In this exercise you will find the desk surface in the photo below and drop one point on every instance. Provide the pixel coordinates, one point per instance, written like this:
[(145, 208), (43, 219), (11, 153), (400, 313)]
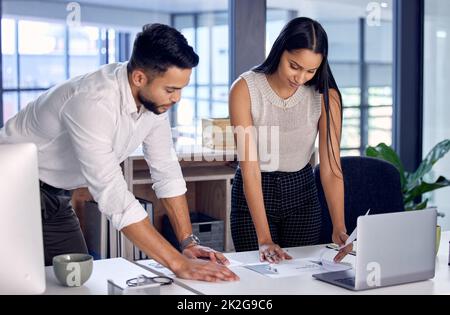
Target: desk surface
[(117, 269), (252, 283)]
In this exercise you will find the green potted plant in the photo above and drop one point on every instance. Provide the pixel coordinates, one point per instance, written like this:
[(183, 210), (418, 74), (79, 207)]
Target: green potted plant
[(414, 184)]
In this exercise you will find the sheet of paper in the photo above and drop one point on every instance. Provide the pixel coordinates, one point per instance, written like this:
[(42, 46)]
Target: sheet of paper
[(264, 269), (331, 266), (234, 263), (352, 236), (327, 262), (286, 268), (296, 267), (158, 267)]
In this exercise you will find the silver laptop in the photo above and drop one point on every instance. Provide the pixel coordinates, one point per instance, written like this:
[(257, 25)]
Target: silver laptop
[(392, 249)]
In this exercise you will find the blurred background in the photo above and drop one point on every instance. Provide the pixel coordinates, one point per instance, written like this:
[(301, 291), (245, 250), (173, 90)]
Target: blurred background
[(46, 42)]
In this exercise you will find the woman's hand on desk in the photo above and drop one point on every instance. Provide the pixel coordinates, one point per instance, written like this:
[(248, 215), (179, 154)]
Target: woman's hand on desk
[(204, 270), (198, 251), (339, 237), (272, 253)]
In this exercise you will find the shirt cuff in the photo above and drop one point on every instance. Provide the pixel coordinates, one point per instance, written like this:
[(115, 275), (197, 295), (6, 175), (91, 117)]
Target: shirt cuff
[(170, 188), (135, 213)]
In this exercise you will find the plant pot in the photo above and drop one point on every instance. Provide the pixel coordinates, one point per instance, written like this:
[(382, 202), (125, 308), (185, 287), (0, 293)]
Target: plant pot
[(438, 238)]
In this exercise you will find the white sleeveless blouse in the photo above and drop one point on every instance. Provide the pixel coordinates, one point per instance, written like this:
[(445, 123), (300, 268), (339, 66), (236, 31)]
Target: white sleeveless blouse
[(286, 128)]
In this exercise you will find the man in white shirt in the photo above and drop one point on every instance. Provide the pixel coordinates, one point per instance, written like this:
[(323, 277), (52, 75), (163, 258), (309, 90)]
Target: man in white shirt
[(85, 127)]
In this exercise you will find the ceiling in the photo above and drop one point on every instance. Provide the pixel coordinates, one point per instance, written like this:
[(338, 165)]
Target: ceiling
[(320, 9), (166, 6), (332, 9)]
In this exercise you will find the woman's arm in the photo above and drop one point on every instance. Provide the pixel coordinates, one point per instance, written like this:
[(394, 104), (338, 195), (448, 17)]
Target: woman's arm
[(241, 120), (331, 175)]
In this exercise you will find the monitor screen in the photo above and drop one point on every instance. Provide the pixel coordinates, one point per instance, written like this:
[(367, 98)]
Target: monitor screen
[(22, 269)]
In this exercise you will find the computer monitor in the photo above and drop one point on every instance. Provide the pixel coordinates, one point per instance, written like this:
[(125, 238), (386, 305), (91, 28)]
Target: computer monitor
[(22, 267)]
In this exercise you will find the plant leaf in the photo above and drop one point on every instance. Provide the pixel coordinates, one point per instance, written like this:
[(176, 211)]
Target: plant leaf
[(372, 152), (384, 152), (433, 156), (421, 205), (412, 206), (424, 188)]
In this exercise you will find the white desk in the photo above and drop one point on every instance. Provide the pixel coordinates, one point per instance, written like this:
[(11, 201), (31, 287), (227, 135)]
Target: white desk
[(117, 269), (252, 283)]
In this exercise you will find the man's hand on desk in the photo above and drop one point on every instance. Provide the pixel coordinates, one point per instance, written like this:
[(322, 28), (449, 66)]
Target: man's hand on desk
[(198, 251), (205, 270)]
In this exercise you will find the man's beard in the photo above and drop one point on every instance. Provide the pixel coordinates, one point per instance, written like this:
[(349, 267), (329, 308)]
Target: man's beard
[(149, 104)]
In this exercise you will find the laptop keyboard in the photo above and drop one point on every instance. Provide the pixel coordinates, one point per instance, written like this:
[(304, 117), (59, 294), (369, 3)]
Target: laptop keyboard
[(347, 281)]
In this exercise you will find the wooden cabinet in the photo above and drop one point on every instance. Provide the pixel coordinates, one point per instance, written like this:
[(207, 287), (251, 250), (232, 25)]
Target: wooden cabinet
[(208, 175)]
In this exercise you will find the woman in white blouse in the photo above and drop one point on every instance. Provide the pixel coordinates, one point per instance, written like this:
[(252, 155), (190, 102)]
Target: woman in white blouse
[(283, 104)]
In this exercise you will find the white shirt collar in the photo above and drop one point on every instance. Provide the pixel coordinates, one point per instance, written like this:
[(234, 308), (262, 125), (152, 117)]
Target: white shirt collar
[(128, 104)]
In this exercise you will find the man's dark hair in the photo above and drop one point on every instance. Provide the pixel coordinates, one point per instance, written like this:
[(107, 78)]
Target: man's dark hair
[(159, 47)]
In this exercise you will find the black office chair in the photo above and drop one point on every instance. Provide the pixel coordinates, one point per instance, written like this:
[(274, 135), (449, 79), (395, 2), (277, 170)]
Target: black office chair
[(368, 184)]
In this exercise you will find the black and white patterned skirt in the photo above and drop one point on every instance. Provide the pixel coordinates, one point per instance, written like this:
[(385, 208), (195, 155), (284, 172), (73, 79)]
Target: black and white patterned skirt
[(292, 209)]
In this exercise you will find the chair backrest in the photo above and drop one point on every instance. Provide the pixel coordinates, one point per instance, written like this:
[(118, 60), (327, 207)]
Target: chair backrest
[(368, 184)]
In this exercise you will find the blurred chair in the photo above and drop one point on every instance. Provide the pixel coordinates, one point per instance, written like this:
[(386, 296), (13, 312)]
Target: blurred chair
[(368, 184)]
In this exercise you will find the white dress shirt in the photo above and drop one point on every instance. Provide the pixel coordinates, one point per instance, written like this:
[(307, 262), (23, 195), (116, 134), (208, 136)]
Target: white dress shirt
[(85, 127)]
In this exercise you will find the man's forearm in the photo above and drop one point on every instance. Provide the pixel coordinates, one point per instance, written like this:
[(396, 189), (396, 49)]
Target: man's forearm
[(147, 238), (178, 211)]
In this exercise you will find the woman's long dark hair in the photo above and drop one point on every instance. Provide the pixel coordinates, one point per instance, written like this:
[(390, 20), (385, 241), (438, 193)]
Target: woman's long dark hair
[(305, 33)]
